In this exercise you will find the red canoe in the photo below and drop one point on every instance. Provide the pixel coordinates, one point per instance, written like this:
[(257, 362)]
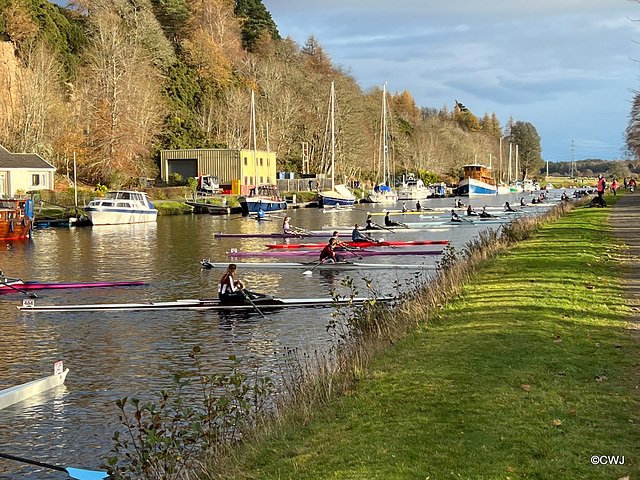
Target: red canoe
[(398, 243)]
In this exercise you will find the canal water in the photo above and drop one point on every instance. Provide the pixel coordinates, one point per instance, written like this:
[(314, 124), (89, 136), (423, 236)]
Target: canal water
[(112, 355)]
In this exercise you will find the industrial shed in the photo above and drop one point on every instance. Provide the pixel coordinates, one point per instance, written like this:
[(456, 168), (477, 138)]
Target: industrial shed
[(236, 170)]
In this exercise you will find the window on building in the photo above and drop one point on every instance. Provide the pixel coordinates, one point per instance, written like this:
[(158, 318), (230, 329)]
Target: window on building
[(261, 162), (245, 161), (261, 180), (35, 180), (245, 181), (269, 180), (250, 180)]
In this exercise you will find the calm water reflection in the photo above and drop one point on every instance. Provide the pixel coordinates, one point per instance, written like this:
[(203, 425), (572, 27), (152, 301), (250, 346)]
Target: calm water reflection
[(116, 354)]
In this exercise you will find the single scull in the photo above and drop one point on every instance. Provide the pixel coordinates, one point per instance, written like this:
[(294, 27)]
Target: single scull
[(28, 305), (16, 394), (352, 252), (322, 266), (398, 243)]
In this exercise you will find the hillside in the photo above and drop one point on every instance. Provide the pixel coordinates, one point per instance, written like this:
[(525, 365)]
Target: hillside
[(115, 82)]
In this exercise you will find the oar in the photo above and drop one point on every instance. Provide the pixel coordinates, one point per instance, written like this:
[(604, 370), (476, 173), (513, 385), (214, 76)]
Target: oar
[(254, 305), (29, 294), (73, 472), (309, 272)]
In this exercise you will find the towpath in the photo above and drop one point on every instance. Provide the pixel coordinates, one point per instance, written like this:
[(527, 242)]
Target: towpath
[(625, 221)]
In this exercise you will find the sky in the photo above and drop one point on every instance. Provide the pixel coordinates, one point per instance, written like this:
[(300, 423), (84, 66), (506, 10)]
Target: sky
[(568, 67)]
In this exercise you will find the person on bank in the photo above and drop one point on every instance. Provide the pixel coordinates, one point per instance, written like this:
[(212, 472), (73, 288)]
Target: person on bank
[(233, 291), (328, 254), (388, 222), (602, 186)]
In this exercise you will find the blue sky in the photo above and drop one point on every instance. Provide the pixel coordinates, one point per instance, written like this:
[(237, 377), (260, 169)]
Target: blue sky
[(569, 67)]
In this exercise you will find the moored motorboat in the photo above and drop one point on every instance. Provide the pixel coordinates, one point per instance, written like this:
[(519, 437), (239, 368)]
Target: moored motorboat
[(196, 304), (121, 207), (266, 198), (16, 217), (12, 395), (477, 180)]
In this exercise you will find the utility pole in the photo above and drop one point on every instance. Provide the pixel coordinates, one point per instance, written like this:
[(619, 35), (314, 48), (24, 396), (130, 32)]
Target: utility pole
[(573, 161)]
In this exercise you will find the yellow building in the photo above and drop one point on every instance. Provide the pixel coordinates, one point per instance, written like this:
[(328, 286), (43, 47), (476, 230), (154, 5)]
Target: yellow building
[(237, 170)]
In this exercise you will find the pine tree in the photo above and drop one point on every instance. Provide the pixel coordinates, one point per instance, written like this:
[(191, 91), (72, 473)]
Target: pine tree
[(256, 19)]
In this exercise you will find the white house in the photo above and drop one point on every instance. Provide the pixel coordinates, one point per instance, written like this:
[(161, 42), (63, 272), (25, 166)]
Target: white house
[(24, 171)]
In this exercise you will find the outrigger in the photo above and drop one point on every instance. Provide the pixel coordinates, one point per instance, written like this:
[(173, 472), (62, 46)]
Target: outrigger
[(269, 303)]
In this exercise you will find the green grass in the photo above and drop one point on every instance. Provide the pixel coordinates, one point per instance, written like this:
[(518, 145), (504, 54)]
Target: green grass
[(530, 372)]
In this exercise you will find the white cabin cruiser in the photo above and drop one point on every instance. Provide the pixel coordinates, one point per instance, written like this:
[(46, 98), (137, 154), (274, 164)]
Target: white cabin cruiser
[(121, 207)]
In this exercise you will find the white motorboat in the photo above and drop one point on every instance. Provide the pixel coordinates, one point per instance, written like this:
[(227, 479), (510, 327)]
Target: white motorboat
[(120, 207), (412, 190), (16, 394)]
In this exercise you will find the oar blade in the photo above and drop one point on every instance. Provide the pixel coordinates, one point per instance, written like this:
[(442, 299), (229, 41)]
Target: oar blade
[(81, 474)]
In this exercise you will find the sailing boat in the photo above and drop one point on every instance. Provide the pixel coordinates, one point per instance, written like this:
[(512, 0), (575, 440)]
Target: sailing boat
[(261, 197), (339, 194), (383, 193)]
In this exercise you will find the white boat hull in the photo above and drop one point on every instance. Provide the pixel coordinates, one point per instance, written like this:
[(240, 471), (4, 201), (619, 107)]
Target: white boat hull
[(121, 207), (10, 396)]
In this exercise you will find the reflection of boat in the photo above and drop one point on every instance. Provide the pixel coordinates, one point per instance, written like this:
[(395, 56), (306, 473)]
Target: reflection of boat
[(339, 194), (12, 395), (413, 189), (16, 216), (382, 193), (213, 304), (477, 180), (121, 207)]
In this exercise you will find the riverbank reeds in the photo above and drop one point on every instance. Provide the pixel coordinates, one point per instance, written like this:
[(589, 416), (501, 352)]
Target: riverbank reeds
[(520, 367)]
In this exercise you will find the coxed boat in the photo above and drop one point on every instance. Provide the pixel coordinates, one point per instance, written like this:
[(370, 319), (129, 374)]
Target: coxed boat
[(12, 285), (398, 243), (29, 305), (318, 266)]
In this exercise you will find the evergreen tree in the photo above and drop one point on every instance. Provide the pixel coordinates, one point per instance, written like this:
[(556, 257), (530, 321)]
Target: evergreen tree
[(256, 19), (526, 137)]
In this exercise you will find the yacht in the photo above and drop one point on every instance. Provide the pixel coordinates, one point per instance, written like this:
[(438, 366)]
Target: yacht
[(120, 207), (413, 189)]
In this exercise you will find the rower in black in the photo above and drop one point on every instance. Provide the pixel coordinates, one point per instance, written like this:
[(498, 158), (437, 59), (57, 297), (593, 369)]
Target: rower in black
[(371, 225), (390, 223)]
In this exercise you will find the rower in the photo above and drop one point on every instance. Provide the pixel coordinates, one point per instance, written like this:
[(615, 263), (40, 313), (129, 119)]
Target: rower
[(338, 245), (484, 213), (260, 213), (233, 291), (470, 211), (458, 203), (507, 207), (328, 255), (404, 207), (286, 227), (522, 204), (358, 237), (418, 206), (455, 217), (388, 222), (371, 225)]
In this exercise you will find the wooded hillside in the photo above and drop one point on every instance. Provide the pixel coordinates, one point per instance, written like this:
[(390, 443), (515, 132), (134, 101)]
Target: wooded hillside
[(115, 81)]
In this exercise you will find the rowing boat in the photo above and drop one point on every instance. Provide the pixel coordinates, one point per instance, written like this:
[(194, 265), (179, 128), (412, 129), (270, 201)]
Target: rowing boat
[(397, 243), (16, 394), (354, 252), (28, 305), (11, 285), (319, 266), (272, 235), (400, 212)]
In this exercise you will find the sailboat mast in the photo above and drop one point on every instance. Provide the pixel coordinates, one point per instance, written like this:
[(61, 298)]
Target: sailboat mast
[(385, 147), (253, 135), (333, 140)]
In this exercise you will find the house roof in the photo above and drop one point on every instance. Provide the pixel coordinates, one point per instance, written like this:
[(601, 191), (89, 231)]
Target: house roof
[(22, 160)]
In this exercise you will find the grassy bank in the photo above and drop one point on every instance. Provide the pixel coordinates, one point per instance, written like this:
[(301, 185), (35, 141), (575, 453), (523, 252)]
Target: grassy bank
[(527, 374)]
